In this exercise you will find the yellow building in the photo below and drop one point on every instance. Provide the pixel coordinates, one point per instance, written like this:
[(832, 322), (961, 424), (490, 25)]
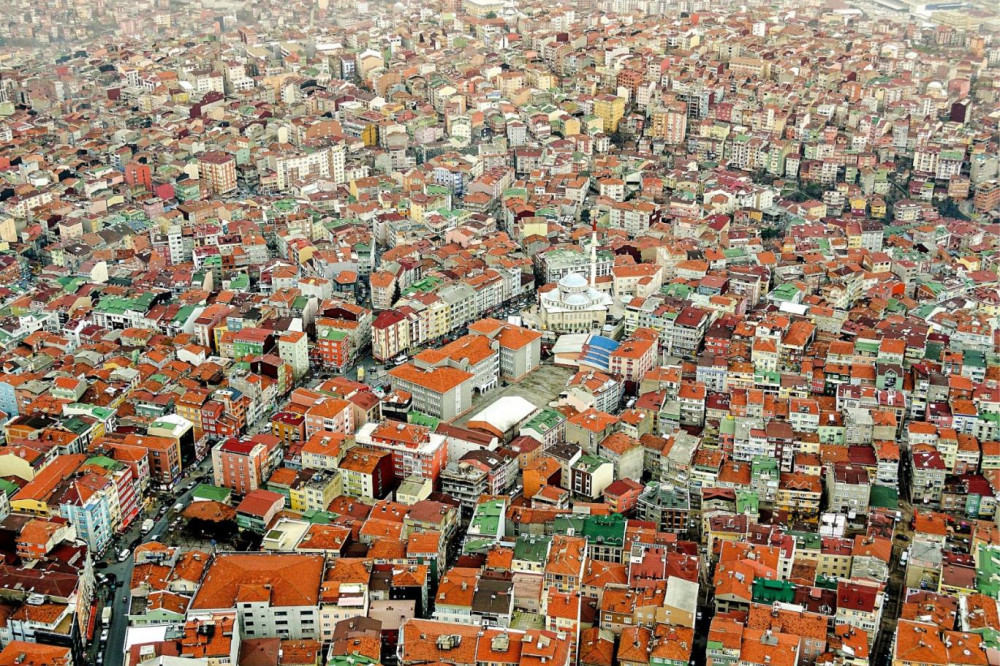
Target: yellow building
[(609, 109), (316, 493), (669, 123), (799, 495), (878, 208), (835, 558)]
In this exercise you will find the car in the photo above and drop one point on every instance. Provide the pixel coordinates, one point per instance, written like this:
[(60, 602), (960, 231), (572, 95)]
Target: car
[(122, 556), (104, 635), (700, 615), (902, 537)]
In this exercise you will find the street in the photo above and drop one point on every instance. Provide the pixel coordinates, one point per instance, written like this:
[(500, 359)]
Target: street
[(114, 653)]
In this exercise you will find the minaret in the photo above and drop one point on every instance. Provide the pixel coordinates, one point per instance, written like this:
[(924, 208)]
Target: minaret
[(593, 254)]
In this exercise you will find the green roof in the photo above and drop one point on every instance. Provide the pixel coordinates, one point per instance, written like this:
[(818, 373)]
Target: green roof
[(768, 591), (184, 313), (211, 493), (487, 517), (115, 305), (785, 292), (76, 425), (974, 358), (241, 281), (676, 290), (544, 420), (827, 582), (762, 464), (607, 530), (419, 418), (316, 516), (353, 659), (477, 545), (807, 540), (531, 548), (884, 497), (564, 523), (589, 463), (105, 462), (332, 334), (747, 501), (870, 346), (426, 284), (988, 571)]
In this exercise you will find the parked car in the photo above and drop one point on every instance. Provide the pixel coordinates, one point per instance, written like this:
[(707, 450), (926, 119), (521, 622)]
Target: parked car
[(122, 556)]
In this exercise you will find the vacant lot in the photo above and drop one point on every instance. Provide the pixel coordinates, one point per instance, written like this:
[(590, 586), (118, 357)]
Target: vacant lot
[(540, 387)]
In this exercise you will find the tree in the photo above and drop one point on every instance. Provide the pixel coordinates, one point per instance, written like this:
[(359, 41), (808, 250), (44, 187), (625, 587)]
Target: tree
[(396, 293), (813, 190), (950, 208), (208, 529)]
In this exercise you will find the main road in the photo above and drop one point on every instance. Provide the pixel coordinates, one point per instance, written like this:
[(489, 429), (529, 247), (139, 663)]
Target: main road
[(114, 652)]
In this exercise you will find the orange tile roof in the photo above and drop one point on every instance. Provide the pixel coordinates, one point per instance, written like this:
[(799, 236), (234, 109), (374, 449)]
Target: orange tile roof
[(294, 580), (917, 642), (593, 420), (46, 481), (439, 380), (325, 538), (672, 643), (419, 642), (797, 623), (566, 555), (619, 443), (23, 653), (594, 649), (777, 650)]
